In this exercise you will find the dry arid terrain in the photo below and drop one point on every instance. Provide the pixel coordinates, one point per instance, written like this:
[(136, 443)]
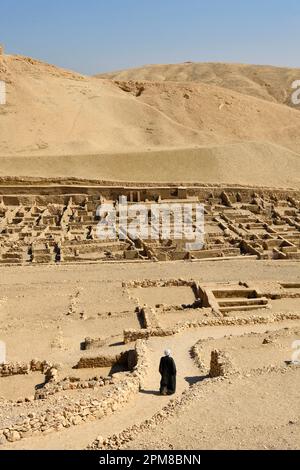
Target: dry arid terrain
[(260, 81), (144, 131), (85, 321)]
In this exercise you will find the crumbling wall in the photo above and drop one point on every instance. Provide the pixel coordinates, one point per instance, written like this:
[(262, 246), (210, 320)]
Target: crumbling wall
[(159, 283), (73, 413), (133, 335), (7, 370), (89, 362), (148, 317), (19, 368), (196, 353), (72, 383), (93, 343), (220, 364)]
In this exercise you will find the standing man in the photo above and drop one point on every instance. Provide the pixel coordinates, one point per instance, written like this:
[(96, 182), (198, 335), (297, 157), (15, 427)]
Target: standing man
[(167, 370)]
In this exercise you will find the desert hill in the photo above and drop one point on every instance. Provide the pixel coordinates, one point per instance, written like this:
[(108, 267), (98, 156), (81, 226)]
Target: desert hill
[(59, 123), (261, 81), (245, 164)]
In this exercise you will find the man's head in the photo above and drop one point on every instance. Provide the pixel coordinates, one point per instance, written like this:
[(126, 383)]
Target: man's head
[(167, 353)]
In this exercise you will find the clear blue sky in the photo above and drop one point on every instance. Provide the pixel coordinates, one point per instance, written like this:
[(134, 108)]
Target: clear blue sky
[(103, 35)]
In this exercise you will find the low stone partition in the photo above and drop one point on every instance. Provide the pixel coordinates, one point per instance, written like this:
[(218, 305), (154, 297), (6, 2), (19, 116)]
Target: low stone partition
[(125, 359), (132, 335), (159, 283), (237, 320), (220, 364), (287, 286), (148, 317), (248, 248), (123, 439), (177, 307), (7, 370), (174, 406), (196, 354), (73, 412), (21, 368), (71, 383), (92, 343)]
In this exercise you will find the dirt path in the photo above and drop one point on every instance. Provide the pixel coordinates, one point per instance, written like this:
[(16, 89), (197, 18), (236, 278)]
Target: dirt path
[(147, 402)]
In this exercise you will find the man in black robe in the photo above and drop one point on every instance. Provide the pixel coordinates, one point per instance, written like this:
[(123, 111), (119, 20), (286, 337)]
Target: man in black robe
[(167, 370)]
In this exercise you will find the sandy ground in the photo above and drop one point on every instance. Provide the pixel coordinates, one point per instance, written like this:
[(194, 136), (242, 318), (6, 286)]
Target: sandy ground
[(208, 123), (35, 324), (169, 130), (196, 422), (253, 413), (241, 163), (249, 352)]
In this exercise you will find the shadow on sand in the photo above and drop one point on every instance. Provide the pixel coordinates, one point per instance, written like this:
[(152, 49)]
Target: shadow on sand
[(196, 379), (151, 392), (189, 380)]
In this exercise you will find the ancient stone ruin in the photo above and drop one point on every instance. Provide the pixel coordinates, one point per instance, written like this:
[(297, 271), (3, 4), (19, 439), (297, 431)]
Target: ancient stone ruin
[(62, 228), (105, 330)]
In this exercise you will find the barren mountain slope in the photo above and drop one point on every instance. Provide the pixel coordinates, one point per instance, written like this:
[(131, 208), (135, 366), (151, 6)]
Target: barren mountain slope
[(262, 81), (246, 164), (111, 129)]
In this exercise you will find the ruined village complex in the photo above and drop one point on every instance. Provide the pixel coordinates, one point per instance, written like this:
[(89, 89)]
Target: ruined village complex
[(85, 321), (91, 344)]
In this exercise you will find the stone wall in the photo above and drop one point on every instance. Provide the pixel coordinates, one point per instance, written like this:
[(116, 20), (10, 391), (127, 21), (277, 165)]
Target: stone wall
[(71, 383), (148, 317), (90, 362), (174, 406), (158, 283), (130, 336), (46, 189), (72, 225), (93, 343), (10, 369), (74, 413), (133, 335), (196, 353), (122, 440), (19, 368), (220, 364)]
